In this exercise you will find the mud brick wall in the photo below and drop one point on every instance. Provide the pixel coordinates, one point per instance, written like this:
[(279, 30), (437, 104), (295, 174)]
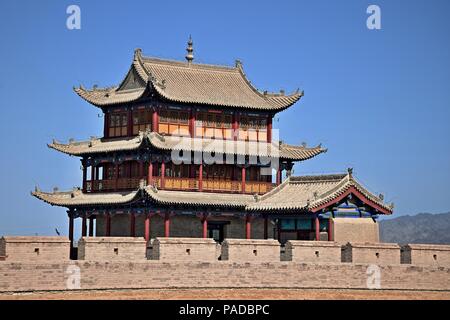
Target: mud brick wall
[(220, 274), (184, 249), (241, 250), (313, 251), (34, 248), (355, 230), (426, 254), (375, 253), (111, 248)]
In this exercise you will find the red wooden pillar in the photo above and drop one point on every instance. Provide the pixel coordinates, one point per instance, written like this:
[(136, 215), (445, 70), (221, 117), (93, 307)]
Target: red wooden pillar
[(330, 229), (71, 232), (278, 176), (200, 177), (84, 177), (155, 121), (147, 228), (317, 223), (192, 123), (150, 173), (132, 225), (269, 129), (108, 225), (266, 227), (167, 225), (106, 125), (243, 180), (91, 226), (84, 226), (92, 174), (205, 227), (248, 228), (163, 173)]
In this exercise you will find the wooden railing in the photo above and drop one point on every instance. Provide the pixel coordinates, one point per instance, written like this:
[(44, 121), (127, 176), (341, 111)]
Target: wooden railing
[(191, 184)]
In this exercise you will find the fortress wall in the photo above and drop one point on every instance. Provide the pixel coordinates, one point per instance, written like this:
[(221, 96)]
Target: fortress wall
[(184, 249), (313, 251), (111, 248), (376, 253), (355, 229), (34, 248), (426, 254), (24, 276), (242, 250)]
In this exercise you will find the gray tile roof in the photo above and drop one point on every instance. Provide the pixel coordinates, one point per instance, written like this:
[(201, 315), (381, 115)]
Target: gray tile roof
[(191, 83)]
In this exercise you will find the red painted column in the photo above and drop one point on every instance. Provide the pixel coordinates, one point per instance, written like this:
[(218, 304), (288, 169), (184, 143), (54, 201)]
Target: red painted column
[(71, 233), (108, 225), (166, 225), (266, 227), (163, 173), (91, 226), (192, 123), (147, 228), (200, 177), (155, 121), (150, 173), (132, 225), (269, 129), (84, 177), (84, 226), (248, 228), (243, 180), (205, 227), (235, 125), (278, 176), (106, 126), (330, 229), (317, 223)]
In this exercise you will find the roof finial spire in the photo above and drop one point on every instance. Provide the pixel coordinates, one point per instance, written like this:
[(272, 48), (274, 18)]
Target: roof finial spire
[(190, 51)]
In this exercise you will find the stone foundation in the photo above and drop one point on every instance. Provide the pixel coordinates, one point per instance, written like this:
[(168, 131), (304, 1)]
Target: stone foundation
[(374, 253), (241, 250), (313, 251), (426, 254), (111, 248), (34, 248)]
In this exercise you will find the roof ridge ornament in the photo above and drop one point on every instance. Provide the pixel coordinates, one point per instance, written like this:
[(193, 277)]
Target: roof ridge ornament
[(190, 51), (350, 172)]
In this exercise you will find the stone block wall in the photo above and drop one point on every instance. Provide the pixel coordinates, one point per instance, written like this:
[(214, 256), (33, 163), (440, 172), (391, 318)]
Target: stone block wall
[(111, 248), (313, 251), (241, 250), (34, 248), (426, 254), (184, 249), (355, 230), (374, 253)]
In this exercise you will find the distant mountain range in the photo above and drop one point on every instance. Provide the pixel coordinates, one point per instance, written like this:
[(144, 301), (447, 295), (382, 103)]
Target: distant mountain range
[(420, 228)]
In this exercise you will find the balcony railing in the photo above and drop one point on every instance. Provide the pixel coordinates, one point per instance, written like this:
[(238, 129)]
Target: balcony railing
[(188, 184)]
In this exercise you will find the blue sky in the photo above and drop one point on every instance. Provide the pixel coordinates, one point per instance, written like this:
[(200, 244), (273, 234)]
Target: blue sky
[(377, 99)]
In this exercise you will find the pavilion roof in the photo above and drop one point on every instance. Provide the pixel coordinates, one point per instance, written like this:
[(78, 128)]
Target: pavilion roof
[(77, 198), (296, 194), (184, 82), (312, 193), (274, 150)]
